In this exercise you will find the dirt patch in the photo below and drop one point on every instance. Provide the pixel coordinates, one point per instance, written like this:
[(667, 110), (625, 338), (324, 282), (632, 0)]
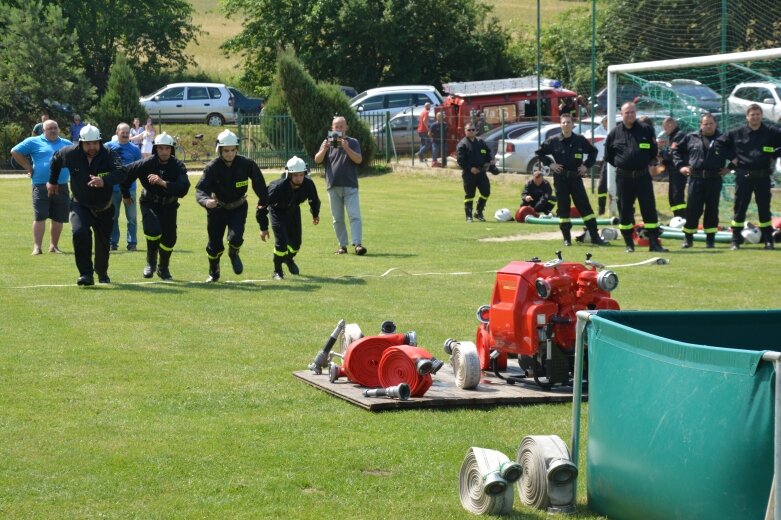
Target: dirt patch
[(545, 235)]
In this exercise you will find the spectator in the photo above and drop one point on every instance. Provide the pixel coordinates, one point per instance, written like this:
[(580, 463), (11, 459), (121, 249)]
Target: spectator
[(164, 179), (676, 181), (148, 139), (55, 207), (76, 127), (425, 140), (438, 133), (222, 190), (285, 196), (137, 133), (38, 128), (94, 171), (129, 153), (342, 155), (538, 193), (474, 157)]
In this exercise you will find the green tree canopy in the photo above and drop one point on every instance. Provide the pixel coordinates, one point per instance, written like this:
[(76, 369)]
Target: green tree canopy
[(365, 43), (38, 67), (120, 102)]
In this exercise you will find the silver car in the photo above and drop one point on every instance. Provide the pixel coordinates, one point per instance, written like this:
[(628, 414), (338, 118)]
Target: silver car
[(517, 155), (766, 95), (210, 103), (403, 127)]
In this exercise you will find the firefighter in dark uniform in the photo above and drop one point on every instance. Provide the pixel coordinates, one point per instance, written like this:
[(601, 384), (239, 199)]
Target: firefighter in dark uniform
[(631, 148), (696, 157), (572, 155), (752, 149), (284, 197), (676, 181), (474, 157), (222, 190), (94, 171), (164, 181), (538, 193)]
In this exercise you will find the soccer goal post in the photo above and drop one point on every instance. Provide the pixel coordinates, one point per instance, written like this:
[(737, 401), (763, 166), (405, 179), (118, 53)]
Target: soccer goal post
[(733, 69)]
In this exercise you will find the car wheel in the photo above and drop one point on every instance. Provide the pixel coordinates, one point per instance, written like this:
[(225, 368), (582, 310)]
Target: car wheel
[(530, 166), (215, 120)]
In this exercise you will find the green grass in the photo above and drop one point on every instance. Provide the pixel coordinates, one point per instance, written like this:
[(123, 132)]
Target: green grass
[(177, 400)]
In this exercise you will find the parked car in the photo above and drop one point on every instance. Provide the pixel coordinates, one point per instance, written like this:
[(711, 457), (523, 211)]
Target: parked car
[(517, 155), (245, 105), (211, 103), (692, 94), (765, 94), (394, 99), (624, 92), (404, 131), (508, 131)]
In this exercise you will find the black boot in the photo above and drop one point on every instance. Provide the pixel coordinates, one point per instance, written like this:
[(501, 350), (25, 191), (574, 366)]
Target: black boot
[(165, 259), (214, 270), (653, 242), (291, 265), (688, 241), (767, 237), (468, 211), (151, 258), (480, 207), (566, 233), (591, 226), (737, 238), (233, 254), (278, 274), (582, 237), (630, 244), (710, 240), (602, 203)]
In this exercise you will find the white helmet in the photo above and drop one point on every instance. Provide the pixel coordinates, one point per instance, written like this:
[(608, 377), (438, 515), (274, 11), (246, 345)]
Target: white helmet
[(677, 222), (609, 234), (165, 139), (89, 133), (226, 138), (751, 234), (296, 165), (503, 215)]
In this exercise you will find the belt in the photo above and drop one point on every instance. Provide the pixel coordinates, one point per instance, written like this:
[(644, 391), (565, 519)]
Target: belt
[(631, 173), (754, 173), (705, 174), (232, 205), (158, 199), (568, 173), (96, 210)]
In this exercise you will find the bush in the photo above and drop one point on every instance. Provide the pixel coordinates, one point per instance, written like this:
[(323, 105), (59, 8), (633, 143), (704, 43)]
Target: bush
[(10, 135)]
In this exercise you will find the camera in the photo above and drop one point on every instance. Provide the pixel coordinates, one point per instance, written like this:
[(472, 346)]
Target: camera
[(334, 138)]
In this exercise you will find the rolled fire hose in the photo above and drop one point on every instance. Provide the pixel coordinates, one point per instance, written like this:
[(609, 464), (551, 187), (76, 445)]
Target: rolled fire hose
[(486, 482), (466, 364), (400, 364), (721, 238), (362, 359), (574, 221), (548, 474), (351, 332)]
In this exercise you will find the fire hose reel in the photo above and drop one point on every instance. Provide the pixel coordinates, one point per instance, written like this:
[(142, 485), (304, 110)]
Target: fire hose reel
[(486, 480), (548, 474), (465, 362)]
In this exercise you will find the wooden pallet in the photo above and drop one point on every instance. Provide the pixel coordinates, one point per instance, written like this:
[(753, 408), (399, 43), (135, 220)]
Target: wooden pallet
[(444, 393)]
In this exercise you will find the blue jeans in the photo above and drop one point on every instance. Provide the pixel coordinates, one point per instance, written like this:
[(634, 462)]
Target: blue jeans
[(425, 145), (439, 151), (342, 198), (130, 215)]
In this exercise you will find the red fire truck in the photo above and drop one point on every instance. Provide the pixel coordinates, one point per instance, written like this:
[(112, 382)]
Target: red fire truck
[(488, 104)]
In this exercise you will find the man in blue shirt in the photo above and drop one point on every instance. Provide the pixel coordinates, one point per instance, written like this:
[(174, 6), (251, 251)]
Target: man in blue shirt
[(129, 153), (39, 149), (76, 127)]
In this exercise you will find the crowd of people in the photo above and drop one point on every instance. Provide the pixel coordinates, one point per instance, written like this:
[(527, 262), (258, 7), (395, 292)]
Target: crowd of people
[(87, 182)]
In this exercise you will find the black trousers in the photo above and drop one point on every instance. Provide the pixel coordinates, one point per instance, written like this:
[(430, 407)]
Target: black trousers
[(286, 226), (569, 190), (220, 219), (159, 221), (676, 191), (542, 205), (640, 188), (85, 223), (704, 196), (602, 195), (744, 187), (472, 184)]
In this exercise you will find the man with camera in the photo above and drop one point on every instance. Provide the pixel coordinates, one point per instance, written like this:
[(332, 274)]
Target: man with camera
[(474, 157), (342, 155)]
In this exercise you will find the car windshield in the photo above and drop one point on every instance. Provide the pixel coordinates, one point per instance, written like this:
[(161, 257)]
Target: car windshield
[(699, 92)]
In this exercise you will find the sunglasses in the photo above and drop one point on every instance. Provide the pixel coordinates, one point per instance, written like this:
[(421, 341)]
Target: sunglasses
[(470, 129)]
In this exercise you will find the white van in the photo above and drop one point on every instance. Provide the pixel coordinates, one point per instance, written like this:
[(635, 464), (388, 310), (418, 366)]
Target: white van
[(210, 103), (394, 99)]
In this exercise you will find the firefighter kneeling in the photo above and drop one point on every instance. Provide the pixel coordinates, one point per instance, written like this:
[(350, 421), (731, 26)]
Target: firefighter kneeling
[(285, 196)]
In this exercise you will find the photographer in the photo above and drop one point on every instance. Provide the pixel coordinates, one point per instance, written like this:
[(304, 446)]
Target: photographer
[(474, 158), (342, 155)]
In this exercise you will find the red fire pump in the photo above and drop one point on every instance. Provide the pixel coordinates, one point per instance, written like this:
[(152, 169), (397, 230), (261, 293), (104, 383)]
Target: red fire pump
[(532, 315)]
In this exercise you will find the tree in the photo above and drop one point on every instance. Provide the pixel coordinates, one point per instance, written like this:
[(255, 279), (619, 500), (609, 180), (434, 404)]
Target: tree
[(313, 106), (120, 102), (38, 67), (366, 43), (153, 34)]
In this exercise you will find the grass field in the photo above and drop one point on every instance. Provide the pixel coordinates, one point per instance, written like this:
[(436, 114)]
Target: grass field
[(176, 400)]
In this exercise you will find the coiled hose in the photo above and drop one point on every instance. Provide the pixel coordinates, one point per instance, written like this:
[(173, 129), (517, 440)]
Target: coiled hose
[(485, 482), (548, 474), (466, 364)]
